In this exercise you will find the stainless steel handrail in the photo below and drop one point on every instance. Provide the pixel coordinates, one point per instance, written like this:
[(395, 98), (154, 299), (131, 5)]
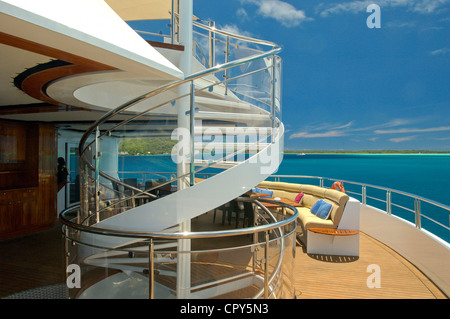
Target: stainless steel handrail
[(154, 34), (418, 213), (183, 235), (424, 199)]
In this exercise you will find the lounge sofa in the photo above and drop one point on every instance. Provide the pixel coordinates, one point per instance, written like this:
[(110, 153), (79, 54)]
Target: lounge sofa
[(343, 215)]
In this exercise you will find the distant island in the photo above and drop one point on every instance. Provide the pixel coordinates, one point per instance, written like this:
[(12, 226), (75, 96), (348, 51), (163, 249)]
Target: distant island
[(368, 152), (146, 146), (164, 145)]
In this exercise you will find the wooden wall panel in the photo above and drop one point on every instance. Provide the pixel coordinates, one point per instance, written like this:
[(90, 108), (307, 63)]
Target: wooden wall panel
[(28, 188), (7, 221)]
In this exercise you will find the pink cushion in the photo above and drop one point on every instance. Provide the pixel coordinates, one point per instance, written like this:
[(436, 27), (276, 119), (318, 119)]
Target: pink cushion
[(299, 197)]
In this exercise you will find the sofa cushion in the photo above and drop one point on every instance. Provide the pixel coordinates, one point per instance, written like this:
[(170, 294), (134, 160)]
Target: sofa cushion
[(309, 220), (316, 206), (336, 214), (313, 190), (336, 196), (299, 197), (284, 194), (321, 209)]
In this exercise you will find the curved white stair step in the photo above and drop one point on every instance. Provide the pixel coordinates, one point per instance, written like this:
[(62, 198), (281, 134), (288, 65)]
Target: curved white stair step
[(228, 116), (232, 130), (226, 104), (256, 146)]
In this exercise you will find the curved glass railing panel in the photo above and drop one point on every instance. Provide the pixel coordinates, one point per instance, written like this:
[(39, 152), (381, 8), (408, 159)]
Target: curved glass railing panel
[(251, 262), (215, 47)]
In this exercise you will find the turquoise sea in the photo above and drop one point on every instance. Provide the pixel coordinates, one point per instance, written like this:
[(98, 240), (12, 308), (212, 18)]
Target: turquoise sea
[(426, 175)]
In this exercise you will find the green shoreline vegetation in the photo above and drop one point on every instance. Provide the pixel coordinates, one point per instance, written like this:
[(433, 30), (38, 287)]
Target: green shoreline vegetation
[(146, 146), (367, 152), (164, 145)]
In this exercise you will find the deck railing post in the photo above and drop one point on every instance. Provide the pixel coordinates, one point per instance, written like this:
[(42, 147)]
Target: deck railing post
[(66, 248), (266, 267), (172, 23), (151, 270), (97, 175), (388, 202), (227, 54), (212, 45), (364, 195), (417, 213), (273, 97), (192, 132)]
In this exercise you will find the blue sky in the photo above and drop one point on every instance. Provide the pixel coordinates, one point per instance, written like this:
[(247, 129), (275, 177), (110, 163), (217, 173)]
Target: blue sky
[(347, 86), (350, 87)]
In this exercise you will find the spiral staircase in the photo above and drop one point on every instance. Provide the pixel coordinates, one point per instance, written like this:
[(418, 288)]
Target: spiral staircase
[(226, 118)]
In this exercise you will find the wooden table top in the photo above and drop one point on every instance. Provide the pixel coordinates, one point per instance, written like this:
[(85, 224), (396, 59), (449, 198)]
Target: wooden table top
[(335, 232)]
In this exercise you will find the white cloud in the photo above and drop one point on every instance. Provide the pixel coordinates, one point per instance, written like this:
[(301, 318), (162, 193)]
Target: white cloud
[(338, 130), (242, 14), (395, 126), (419, 6), (401, 139), (336, 8), (414, 130), (345, 125), (428, 6), (315, 135), (440, 51), (391, 123), (234, 29), (400, 24), (283, 12), (324, 130)]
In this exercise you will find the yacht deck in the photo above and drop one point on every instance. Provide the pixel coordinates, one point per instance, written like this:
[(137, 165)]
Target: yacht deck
[(321, 276), (36, 260)]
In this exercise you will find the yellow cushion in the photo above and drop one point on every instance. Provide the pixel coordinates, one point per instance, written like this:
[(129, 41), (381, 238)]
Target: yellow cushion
[(310, 220), (337, 196)]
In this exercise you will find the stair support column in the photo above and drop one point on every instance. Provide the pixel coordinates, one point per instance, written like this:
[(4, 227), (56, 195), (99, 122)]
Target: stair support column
[(183, 167)]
